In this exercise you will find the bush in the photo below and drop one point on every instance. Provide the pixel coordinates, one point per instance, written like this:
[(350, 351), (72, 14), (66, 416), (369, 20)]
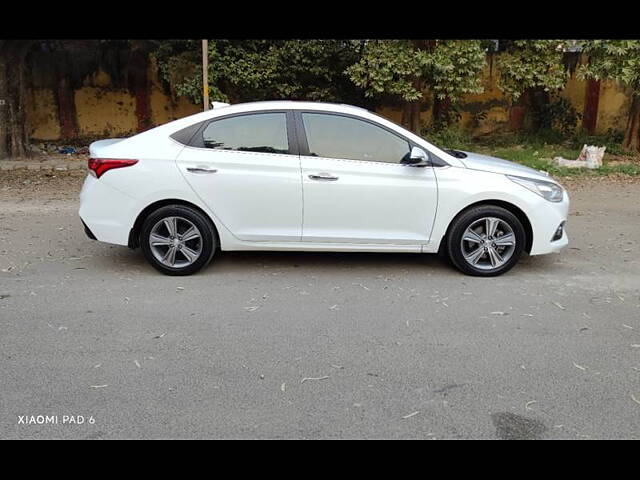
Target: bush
[(556, 119), (449, 137), (612, 140)]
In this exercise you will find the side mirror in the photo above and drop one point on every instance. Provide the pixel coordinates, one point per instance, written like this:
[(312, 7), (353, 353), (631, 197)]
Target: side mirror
[(418, 158)]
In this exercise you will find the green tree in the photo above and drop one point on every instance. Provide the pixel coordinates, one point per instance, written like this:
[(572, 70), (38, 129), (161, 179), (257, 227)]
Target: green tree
[(251, 70), (529, 71), (618, 60), (406, 69)]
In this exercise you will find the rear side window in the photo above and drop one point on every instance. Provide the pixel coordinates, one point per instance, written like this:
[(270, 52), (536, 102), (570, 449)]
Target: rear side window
[(260, 132), (336, 136)]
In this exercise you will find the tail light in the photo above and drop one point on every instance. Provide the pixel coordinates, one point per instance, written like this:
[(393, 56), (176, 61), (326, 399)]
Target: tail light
[(101, 165)]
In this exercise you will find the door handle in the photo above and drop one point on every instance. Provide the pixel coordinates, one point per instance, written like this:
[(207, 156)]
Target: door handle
[(323, 176), (201, 170)]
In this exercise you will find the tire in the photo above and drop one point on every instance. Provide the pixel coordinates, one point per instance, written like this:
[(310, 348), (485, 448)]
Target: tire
[(485, 255), (200, 240)]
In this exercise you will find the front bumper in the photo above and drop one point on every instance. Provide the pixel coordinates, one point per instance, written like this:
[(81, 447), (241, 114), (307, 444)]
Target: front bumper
[(545, 222)]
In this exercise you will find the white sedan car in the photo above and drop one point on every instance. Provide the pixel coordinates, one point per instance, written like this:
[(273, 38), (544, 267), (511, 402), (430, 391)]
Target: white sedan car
[(287, 175)]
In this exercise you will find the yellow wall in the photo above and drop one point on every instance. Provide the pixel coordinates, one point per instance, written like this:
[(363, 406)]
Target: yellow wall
[(109, 112), (42, 114), (103, 111), (613, 109)]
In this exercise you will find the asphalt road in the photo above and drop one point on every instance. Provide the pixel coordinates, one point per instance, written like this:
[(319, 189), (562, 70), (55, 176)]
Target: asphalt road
[(310, 346)]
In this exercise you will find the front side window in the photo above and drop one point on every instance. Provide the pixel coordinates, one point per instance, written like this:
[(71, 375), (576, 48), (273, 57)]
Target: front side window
[(260, 132), (337, 136)]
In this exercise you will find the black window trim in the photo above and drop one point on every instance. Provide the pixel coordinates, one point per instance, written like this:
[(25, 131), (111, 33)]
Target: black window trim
[(196, 140), (304, 144)]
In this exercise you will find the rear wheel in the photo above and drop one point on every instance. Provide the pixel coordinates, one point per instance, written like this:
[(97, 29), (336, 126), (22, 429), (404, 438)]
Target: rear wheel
[(177, 240), (486, 241)]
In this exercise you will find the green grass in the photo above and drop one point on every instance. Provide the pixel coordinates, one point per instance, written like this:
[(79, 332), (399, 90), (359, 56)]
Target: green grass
[(537, 151)]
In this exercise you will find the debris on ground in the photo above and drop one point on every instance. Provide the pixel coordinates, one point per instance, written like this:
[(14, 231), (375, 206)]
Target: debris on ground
[(410, 415), (590, 157), (313, 378)]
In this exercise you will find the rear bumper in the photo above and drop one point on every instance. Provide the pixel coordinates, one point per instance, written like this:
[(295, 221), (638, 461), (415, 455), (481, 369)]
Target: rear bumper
[(88, 231), (107, 213)]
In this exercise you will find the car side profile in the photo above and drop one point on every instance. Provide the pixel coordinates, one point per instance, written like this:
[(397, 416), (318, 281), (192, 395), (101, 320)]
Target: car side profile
[(286, 175)]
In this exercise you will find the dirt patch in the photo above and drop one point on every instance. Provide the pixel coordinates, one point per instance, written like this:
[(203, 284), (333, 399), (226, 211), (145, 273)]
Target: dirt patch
[(24, 185)]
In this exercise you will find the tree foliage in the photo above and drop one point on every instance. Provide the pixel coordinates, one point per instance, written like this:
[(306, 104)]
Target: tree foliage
[(407, 69), (249, 70), (531, 64), (448, 68), (387, 68), (617, 60)]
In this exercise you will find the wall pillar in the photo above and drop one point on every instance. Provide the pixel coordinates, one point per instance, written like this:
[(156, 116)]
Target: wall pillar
[(592, 100), (139, 87), (66, 109)]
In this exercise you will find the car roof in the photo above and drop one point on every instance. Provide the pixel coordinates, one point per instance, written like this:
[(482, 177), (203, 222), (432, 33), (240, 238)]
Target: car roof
[(291, 105), (263, 105)]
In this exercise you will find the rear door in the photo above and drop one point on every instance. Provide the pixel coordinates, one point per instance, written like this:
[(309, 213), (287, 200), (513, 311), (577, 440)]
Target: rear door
[(246, 168), (356, 188)]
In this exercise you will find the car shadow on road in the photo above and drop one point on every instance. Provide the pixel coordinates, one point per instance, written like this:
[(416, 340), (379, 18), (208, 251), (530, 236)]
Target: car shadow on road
[(338, 261), (253, 262)]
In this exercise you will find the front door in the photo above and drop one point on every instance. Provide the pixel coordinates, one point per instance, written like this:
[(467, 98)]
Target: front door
[(356, 188)]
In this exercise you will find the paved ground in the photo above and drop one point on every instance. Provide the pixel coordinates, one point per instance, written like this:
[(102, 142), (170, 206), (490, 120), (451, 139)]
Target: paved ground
[(299, 345)]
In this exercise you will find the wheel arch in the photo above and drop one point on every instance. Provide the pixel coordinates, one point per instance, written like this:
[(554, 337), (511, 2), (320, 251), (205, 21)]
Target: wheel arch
[(517, 211), (134, 233)]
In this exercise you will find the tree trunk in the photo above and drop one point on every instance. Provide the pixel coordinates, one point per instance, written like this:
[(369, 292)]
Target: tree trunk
[(414, 119), (441, 108), (13, 126), (518, 112), (632, 134), (539, 99), (4, 113), (411, 116), (18, 135)]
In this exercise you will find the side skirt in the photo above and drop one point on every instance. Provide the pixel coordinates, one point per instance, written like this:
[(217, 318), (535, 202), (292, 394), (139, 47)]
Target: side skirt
[(324, 247)]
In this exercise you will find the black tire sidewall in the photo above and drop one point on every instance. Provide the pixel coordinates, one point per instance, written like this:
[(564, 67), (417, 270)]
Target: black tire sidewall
[(198, 219), (461, 223)]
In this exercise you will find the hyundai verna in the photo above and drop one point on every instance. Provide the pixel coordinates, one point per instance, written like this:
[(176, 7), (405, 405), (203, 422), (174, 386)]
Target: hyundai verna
[(287, 175)]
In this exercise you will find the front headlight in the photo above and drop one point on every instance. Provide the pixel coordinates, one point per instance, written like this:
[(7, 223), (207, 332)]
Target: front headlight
[(549, 190)]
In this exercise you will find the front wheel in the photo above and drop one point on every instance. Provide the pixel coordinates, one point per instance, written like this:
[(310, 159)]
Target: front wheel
[(177, 240), (486, 241)]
